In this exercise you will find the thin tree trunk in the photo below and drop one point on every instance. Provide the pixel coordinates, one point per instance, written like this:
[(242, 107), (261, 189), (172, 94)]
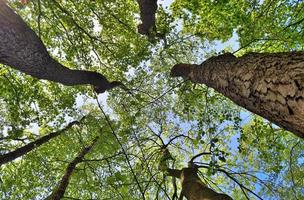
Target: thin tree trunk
[(61, 188), (8, 157), (193, 188), (23, 50), (268, 84)]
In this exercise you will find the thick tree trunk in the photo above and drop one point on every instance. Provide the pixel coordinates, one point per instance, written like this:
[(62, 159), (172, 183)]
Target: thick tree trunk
[(61, 188), (193, 188), (8, 157), (268, 84), (22, 49)]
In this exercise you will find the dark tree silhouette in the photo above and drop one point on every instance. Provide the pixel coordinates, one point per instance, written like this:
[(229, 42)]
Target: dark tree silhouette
[(147, 15), (10, 156)]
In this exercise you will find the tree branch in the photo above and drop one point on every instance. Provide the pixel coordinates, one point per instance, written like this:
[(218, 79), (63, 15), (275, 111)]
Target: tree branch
[(8, 157)]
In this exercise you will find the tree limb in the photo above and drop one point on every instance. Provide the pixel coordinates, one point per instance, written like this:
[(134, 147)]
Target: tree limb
[(8, 157)]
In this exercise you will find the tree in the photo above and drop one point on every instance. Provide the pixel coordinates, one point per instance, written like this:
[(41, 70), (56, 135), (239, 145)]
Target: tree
[(60, 190), (268, 84), (230, 150), (261, 79), (192, 186), (10, 156), (147, 15), (23, 50)]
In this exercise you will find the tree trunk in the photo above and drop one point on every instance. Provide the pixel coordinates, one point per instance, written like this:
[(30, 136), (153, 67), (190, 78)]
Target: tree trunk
[(8, 157), (147, 9), (23, 50), (61, 188), (268, 84), (193, 188)]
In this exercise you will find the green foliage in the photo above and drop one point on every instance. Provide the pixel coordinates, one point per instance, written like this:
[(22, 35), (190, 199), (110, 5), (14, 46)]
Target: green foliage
[(157, 111), (260, 25)]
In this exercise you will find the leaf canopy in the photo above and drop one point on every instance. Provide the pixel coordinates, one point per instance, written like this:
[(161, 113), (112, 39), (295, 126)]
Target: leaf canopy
[(102, 36)]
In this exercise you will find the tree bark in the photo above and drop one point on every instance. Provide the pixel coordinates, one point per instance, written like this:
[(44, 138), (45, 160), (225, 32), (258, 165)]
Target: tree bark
[(192, 186), (147, 9), (8, 157), (61, 188), (23, 50), (268, 84)]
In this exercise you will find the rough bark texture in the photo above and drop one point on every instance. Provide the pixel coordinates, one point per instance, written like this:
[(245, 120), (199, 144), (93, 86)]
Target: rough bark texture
[(268, 84), (5, 158), (22, 49), (63, 184), (147, 15), (193, 188)]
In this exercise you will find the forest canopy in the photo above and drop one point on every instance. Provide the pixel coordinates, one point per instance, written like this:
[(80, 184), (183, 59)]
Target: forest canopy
[(133, 141)]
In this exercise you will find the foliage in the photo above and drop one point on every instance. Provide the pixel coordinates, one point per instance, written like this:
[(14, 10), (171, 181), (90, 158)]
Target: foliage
[(159, 111), (260, 25)]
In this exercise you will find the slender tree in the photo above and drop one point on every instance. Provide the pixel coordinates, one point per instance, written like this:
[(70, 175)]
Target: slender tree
[(268, 84), (64, 182), (8, 157)]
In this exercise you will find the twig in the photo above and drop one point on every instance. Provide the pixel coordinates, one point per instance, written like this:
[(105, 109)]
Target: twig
[(291, 171), (198, 155), (121, 146)]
